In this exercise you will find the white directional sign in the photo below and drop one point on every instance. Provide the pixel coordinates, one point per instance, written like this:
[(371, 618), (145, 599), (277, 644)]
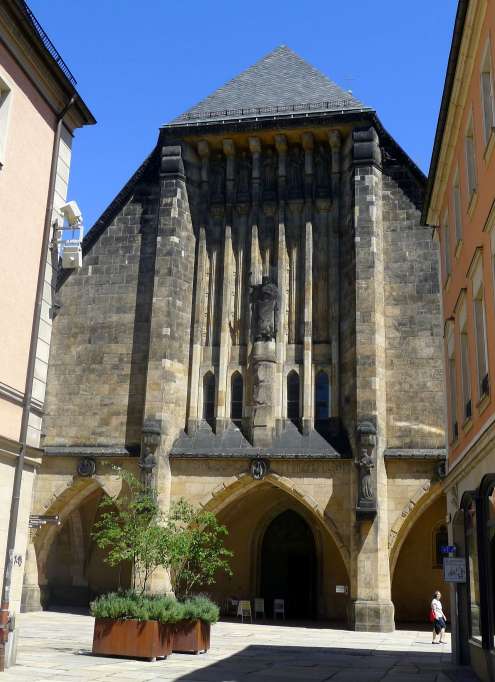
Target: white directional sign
[(454, 570)]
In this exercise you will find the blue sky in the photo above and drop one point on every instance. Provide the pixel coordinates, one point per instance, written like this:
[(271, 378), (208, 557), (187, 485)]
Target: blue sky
[(139, 64)]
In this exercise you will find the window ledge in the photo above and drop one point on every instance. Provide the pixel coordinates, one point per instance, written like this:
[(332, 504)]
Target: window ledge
[(489, 146), (458, 248), (468, 423), (483, 403), (473, 199)]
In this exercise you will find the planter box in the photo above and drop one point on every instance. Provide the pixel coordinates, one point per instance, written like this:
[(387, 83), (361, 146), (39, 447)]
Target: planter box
[(191, 637), (133, 638)]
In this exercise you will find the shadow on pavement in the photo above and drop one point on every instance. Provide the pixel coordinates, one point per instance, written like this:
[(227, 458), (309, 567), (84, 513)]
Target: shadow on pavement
[(259, 663)]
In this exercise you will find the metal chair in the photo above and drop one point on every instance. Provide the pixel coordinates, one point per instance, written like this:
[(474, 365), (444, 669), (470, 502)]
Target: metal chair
[(259, 607), (279, 608), (244, 610)]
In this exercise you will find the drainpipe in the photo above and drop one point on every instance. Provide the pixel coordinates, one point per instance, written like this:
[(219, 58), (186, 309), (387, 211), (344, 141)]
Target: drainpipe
[(5, 622)]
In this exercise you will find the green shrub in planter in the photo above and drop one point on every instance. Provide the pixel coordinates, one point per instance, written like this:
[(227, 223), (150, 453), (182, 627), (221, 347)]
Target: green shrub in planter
[(133, 606)]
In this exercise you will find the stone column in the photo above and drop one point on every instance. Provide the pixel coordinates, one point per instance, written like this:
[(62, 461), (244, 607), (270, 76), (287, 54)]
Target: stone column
[(372, 608), (168, 355), (199, 294), (307, 407), (335, 141), (31, 599), (227, 283), (281, 144)]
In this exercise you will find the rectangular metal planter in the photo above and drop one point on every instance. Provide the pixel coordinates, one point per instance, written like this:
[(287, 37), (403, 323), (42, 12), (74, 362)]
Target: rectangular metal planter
[(133, 638), (191, 637)]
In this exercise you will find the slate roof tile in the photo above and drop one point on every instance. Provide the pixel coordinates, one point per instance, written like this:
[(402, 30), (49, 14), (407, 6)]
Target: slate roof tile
[(279, 82)]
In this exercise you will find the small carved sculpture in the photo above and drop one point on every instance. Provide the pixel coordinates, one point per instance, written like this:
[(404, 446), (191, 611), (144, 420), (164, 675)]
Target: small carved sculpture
[(265, 307), (366, 464), (147, 465), (259, 468)]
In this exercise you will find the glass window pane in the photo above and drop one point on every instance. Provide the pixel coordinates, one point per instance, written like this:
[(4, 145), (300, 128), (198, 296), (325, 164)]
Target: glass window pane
[(209, 397), (236, 397), (293, 396), (322, 396)]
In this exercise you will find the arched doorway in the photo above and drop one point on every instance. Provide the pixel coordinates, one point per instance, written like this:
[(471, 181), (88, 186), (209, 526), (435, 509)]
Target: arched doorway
[(76, 570), (288, 565)]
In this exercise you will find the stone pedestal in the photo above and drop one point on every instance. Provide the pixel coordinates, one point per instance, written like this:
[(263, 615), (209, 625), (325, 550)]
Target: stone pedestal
[(263, 369), (372, 616)]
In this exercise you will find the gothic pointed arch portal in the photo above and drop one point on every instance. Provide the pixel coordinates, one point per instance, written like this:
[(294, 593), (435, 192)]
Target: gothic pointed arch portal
[(289, 564), (255, 516)]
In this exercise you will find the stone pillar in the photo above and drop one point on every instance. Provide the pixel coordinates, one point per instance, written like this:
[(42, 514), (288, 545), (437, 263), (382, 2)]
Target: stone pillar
[(334, 139), (282, 265), (263, 371), (372, 608), (31, 599), (307, 406), (222, 416), (168, 355), (199, 297)]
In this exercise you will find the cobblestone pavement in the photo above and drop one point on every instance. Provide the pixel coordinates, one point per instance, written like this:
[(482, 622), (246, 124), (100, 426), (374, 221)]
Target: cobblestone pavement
[(55, 647)]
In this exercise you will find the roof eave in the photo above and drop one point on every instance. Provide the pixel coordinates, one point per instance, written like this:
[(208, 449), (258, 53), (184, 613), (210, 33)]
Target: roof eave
[(460, 18)]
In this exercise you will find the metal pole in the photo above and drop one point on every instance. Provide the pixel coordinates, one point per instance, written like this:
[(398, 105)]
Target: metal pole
[(28, 393)]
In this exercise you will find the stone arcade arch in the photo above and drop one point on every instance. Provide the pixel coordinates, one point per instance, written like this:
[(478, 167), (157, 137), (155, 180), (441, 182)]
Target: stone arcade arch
[(65, 566), (415, 573), (247, 508)]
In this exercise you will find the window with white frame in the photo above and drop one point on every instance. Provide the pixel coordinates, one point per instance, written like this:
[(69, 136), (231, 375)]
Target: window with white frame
[(5, 104), (470, 158), (487, 93), (456, 196), (447, 254), (452, 383), (465, 364), (480, 328)]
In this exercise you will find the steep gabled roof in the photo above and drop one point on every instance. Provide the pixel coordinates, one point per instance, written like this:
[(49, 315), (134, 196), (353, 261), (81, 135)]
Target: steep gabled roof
[(279, 83)]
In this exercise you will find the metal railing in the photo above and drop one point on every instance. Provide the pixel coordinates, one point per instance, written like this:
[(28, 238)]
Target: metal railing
[(342, 103), (48, 44)]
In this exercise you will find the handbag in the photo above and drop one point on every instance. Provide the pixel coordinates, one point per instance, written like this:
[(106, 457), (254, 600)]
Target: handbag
[(432, 616)]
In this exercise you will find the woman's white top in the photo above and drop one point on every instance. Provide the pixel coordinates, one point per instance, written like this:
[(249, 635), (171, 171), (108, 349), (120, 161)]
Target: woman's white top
[(436, 605)]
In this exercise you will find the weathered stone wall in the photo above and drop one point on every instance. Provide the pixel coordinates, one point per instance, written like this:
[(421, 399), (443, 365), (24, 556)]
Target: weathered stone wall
[(414, 361), (97, 368)]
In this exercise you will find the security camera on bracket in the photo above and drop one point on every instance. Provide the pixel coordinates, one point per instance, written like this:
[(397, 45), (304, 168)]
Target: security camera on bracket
[(70, 249)]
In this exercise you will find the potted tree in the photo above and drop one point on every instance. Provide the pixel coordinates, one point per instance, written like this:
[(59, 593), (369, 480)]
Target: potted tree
[(186, 542), (197, 554), (130, 530)]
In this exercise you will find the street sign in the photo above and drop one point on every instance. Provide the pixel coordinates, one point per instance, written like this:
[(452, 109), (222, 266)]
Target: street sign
[(341, 589), (447, 549), (454, 570)]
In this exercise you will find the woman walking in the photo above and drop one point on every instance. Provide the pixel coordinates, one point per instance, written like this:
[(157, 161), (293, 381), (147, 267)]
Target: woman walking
[(439, 619)]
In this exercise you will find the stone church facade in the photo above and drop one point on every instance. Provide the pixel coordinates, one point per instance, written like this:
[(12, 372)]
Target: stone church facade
[(256, 328)]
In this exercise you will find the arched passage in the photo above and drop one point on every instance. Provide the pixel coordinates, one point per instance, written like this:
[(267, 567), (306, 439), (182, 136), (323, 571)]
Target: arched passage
[(74, 570), (418, 568), (288, 565), (248, 514)]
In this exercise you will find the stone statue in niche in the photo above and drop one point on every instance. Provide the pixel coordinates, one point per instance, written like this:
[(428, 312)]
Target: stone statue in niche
[(217, 178), (265, 308), (321, 172), (243, 175), (269, 171), (366, 436), (294, 171)]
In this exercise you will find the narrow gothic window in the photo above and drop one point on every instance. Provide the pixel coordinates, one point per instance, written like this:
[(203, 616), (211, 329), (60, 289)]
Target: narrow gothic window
[(322, 396), (293, 396), (236, 386), (209, 398)]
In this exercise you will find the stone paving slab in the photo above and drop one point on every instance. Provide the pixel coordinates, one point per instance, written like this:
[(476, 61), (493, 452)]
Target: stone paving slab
[(56, 647)]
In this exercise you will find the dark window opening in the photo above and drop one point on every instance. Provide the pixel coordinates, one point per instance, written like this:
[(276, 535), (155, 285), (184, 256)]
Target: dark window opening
[(209, 398), (322, 396), (441, 540), (236, 391), (293, 397)]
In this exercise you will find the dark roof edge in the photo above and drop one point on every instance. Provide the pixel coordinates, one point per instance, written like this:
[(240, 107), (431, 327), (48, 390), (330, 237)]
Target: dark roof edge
[(457, 34), (53, 58), (415, 169)]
